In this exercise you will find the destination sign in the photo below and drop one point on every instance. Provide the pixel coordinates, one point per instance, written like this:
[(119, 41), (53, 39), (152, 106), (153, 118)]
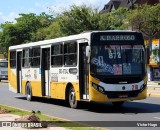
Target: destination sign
[(117, 37)]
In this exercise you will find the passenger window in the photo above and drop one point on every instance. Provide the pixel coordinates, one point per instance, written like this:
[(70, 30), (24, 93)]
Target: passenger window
[(26, 58), (70, 54), (57, 55), (36, 57), (13, 59)]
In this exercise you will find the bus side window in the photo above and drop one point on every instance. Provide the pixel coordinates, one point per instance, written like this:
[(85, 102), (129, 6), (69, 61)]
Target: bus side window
[(26, 58), (35, 57), (57, 55), (70, 54), (13, 59)]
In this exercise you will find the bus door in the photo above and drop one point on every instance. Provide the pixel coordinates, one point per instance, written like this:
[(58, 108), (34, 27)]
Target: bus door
[(83, 72), (19, 71), (45, 70)]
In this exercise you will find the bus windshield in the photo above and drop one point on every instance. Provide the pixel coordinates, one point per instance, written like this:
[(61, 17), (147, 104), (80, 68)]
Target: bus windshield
[(113, 60), (3, 64)]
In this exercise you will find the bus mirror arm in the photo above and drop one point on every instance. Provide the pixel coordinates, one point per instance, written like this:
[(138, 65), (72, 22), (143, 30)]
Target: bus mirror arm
[(88, 53)]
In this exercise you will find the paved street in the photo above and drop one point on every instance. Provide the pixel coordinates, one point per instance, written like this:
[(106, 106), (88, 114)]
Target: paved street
[(143, 110)]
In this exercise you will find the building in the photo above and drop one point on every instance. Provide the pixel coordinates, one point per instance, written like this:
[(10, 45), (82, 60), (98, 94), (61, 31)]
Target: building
[(153, 68), (115, 4), (111, 5)]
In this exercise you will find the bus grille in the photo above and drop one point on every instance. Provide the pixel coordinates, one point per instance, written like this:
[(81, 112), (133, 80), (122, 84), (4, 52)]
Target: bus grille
[(127, 94)]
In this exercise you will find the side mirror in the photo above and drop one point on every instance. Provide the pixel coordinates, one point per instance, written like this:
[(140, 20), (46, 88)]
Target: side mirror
[(88, 53)]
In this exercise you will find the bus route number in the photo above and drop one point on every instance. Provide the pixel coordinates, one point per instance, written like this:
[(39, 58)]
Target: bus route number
[(134, 87)]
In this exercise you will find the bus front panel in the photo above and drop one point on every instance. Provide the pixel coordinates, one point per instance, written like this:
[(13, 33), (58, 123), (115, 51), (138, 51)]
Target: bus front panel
[(117, 67)]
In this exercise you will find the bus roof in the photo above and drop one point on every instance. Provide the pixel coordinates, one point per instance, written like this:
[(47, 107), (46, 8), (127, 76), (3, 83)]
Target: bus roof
[(84, 35)]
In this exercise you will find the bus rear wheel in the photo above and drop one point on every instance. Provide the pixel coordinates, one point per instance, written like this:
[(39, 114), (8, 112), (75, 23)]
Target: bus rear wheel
[(28, 92), (72, 98), (118, 104)]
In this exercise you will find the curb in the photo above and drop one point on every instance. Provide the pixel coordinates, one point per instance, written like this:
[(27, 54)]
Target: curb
[(102, 128), (153, 88), (58, 118), (153, 94)]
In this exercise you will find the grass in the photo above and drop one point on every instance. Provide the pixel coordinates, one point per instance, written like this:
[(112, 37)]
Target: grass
[(58, 122)]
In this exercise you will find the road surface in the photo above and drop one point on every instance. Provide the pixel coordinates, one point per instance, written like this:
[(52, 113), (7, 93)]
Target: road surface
[(142, 110)]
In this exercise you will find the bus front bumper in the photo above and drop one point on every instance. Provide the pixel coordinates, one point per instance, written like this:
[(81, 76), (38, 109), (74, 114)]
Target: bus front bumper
[(97, 96)]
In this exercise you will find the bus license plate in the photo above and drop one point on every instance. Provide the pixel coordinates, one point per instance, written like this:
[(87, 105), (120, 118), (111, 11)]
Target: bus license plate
[(123, 96)]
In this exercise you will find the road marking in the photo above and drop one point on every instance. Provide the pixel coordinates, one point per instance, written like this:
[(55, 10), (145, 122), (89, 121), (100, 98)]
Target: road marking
[(157, 118)]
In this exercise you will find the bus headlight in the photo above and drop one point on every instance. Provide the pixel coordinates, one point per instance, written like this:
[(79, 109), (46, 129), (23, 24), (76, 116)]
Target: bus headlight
[(95, 86), (99, 88), (143, 86)]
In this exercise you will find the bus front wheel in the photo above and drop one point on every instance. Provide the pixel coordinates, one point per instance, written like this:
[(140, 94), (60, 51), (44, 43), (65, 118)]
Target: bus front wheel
[(72, 98), (118, 104), (28, 92)]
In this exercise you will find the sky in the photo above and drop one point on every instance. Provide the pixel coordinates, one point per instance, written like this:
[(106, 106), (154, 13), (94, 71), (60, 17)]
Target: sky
[(9, 9)]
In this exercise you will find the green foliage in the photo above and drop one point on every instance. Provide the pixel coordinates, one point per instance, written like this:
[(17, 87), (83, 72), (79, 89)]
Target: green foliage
[(10, 35), (79, 19), (117, 18), (28, 27), (53, 31), (146, 19), (32, 27)]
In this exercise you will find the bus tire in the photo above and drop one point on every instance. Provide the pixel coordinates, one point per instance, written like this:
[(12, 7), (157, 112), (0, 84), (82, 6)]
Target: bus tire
[(72, 98), (118, 104), (28, 92)]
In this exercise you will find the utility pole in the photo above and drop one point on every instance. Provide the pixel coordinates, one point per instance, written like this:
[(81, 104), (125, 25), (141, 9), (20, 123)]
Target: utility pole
[(131, 7), (131, 4)]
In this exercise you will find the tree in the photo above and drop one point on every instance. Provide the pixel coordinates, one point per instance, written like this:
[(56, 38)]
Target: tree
[(45, 20), (28, 27), (27, 24), (9, 36), (79, 19), (115, 20), (53, 31), (146, 19)]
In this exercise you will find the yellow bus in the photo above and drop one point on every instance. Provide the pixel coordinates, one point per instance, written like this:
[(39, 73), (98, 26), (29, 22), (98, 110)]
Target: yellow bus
[(97, 66)]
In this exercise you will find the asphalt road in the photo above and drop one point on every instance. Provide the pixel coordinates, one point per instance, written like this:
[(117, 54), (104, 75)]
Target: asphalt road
[(142, 110)]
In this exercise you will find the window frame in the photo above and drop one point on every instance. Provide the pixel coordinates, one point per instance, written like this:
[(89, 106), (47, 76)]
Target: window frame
[(56, 55), (71, 53), (35, 56), (13, 59), (23, 58)]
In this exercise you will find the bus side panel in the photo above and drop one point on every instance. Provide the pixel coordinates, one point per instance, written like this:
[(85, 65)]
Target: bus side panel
[(24, 86), (60, 77), (33, 76), (12, 79), (77, 91), (36, 88), (58, 90), (11, 76), (53, 90)]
